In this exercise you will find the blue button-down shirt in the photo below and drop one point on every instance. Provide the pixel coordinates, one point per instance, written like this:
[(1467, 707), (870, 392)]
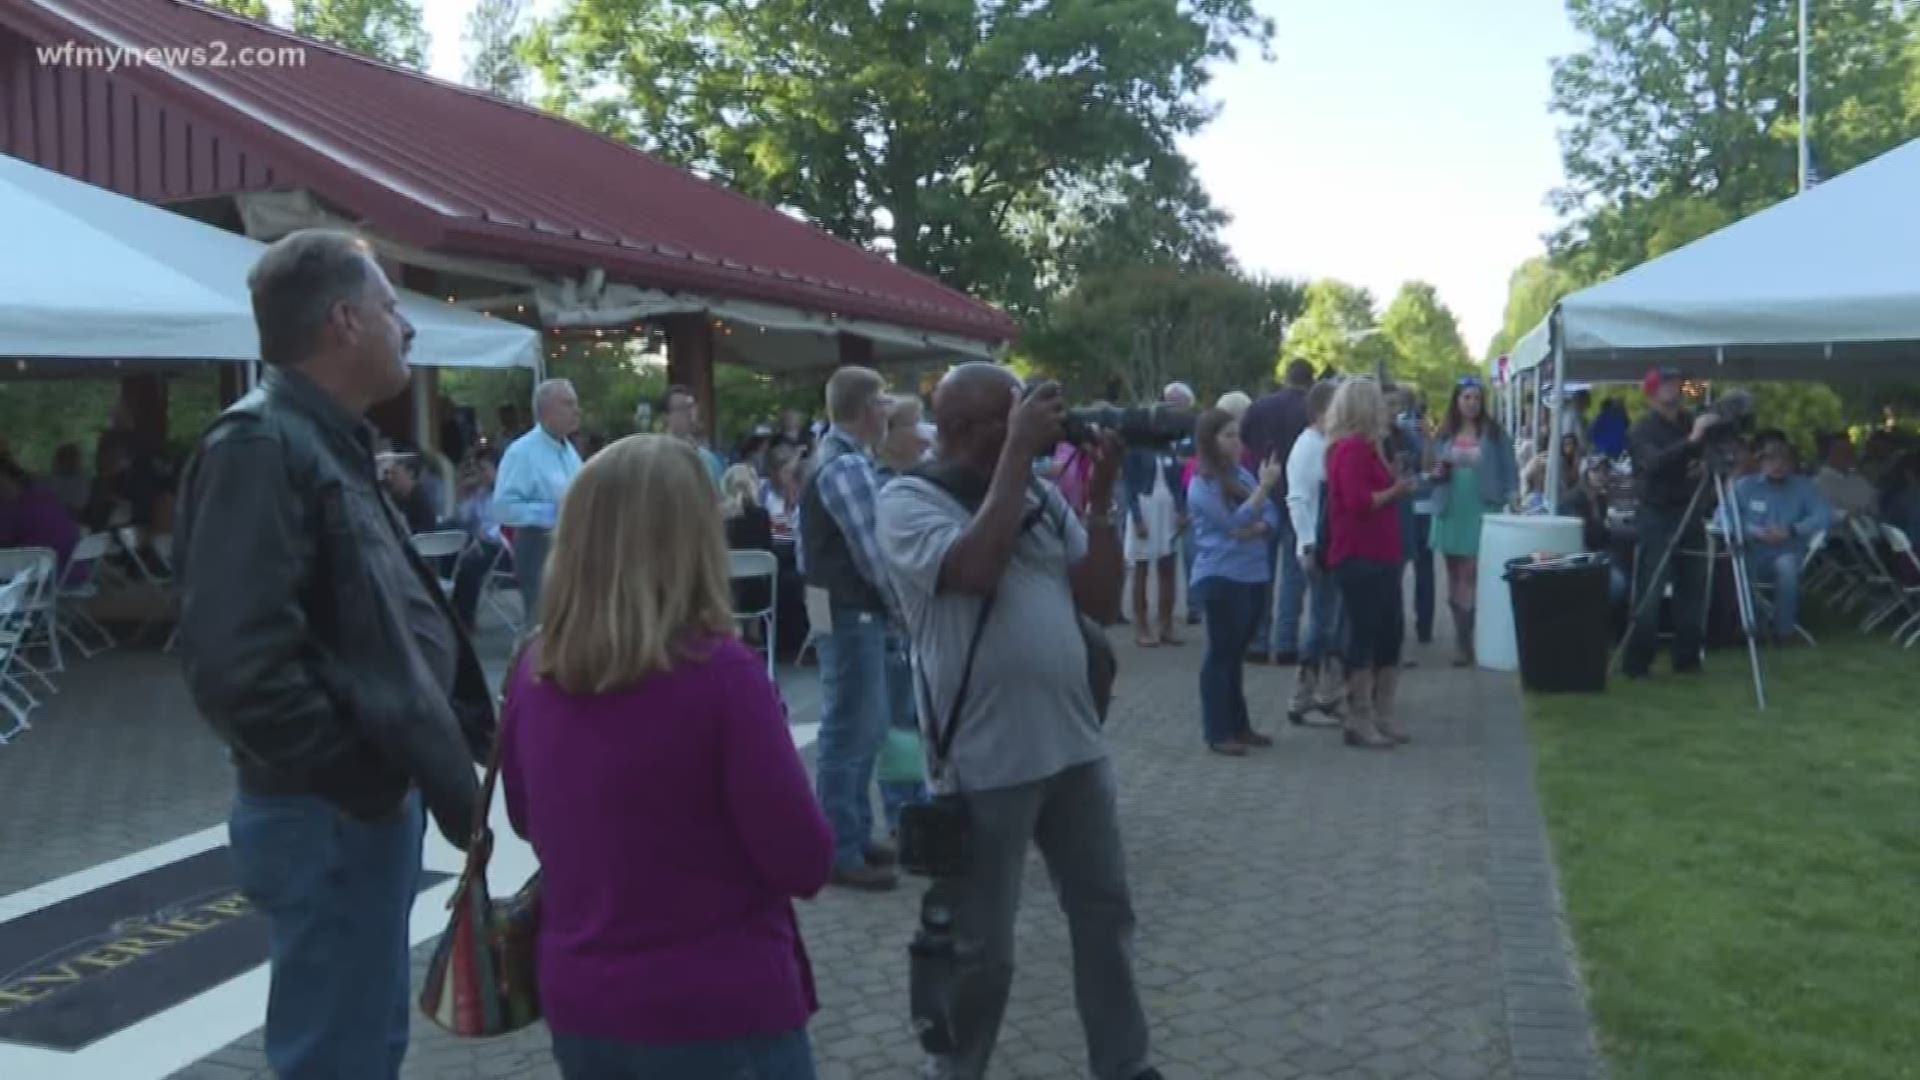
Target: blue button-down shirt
[(535, 473), (1793, 504), (1217, 553)]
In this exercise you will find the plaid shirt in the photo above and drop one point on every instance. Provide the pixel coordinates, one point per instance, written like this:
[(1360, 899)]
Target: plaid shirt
[(850, 490)]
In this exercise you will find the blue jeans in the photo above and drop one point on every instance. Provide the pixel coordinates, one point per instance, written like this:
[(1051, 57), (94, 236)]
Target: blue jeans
[(1232, 610), (1782, 569), (1422, 559), (855, 710), (337, 893), (897, 795), (760, 1057), (1282, 629), (1325, 619)]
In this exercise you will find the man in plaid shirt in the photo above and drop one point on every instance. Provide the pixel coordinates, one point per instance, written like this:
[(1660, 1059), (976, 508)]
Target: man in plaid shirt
[(839, 551)]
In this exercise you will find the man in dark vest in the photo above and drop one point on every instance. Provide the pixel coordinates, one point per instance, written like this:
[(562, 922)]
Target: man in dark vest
[(840, 553)]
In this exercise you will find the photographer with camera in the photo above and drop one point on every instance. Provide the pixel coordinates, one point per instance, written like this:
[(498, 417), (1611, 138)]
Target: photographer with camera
[(1668, 444), (993, 572)]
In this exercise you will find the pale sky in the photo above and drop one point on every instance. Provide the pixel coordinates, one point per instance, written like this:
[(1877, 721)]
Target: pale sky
[(1387, 140)]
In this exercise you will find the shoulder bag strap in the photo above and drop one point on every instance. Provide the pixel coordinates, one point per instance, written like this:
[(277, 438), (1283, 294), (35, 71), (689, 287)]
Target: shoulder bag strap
[(944, 733), (480, 845)]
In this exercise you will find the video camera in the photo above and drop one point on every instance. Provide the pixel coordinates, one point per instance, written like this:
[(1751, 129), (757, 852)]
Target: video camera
[(1151, 427), (1735, 410)]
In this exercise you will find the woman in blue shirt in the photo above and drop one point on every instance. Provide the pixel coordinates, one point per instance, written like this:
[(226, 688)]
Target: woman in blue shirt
[(1232, 513)]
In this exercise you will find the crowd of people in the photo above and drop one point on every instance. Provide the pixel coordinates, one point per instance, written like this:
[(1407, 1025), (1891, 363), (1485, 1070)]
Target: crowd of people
[(969, 564)]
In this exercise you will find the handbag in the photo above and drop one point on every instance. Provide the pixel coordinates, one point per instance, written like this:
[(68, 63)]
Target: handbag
[(482, 980)]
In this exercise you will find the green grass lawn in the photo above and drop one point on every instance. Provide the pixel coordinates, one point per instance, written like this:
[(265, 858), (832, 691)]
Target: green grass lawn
[(1745, 887)]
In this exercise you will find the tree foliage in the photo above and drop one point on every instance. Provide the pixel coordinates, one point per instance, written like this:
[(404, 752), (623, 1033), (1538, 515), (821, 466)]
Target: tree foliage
[(1122, 334), (389, 30), (1428, 353), (252, 9), (1536, 285), (1337, 330), (958, 134), (1677, 105), (495, 32)]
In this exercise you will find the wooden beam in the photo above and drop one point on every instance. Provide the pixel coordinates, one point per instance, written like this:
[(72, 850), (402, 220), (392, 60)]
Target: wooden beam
[(690, 360), (855, 350)]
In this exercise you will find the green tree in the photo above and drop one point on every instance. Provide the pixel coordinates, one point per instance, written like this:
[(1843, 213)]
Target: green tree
[(1337, 330), (1124, 333), (389, 30), (1536, 285), (948, 132), (1697, 99), (252, 9), (1426, 342), (495, 32)]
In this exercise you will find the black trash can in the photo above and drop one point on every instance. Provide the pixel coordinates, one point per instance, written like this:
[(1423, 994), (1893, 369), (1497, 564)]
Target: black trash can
[(1561, 622)]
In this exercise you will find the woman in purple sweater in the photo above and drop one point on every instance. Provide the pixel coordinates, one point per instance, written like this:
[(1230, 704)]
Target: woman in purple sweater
[(648, 761)]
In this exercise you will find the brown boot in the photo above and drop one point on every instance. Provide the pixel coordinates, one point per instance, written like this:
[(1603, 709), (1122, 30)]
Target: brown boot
[(1462, 635), (1330, 698), (1386, 682), (1360, 732)]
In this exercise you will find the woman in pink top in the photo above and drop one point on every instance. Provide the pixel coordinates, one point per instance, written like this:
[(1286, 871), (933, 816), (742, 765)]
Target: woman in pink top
[(647, 759), (1365, 556)]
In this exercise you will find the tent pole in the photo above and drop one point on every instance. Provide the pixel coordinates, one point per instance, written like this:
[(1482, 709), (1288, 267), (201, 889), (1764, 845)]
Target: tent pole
[(1559, 411), (1805, 162)]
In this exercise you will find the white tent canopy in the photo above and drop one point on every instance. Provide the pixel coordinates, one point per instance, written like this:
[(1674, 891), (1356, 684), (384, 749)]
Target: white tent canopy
[(1824, 285), (92, 275)]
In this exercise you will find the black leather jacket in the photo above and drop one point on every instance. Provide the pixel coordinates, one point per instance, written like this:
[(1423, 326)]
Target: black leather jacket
[(294, 627)]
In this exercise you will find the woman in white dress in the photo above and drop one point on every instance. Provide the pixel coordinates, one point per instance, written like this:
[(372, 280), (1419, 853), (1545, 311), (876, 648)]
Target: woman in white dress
[(1156, 515)]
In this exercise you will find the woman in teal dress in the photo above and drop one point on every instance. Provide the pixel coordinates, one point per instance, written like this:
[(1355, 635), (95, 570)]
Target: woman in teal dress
[(1474, 474)]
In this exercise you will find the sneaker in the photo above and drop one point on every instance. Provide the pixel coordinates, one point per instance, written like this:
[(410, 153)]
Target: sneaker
[(866, 879)]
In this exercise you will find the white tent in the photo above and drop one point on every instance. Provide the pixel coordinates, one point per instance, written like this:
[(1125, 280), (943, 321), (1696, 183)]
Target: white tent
[(88, 274), (1824, 285)]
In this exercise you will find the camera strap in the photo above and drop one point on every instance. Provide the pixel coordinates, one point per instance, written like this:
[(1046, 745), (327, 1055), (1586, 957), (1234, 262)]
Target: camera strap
[(967, 490)]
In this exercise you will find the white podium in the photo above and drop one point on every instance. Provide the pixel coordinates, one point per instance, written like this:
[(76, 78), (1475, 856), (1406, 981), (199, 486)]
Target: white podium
[(1504, 537)]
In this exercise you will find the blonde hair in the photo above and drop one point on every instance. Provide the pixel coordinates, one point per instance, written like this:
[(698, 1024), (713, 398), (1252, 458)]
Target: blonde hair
[(850, 390), (1358, 408), (739, 489), (637, 578)]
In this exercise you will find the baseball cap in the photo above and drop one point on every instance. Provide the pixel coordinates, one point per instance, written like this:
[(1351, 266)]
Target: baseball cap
[(1656, 377)]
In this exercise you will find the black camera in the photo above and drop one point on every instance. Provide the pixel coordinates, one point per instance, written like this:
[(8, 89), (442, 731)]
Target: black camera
[(936, 837), (1145, 426), (933, 973)]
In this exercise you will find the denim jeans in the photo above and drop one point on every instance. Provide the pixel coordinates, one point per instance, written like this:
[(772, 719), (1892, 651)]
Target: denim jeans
[(897, 795), (1282, 628), (338, 894), (1232, 611), (1326, 623), (530, 567), (1781, 569), (1422, 559), (788, 1056), (1376, 613), (855, 710)]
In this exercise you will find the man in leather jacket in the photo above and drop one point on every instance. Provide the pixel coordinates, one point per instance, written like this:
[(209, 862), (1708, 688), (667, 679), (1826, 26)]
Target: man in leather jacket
[(323, 652)]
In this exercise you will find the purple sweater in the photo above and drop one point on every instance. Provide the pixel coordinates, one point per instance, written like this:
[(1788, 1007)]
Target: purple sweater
[(674, 825)]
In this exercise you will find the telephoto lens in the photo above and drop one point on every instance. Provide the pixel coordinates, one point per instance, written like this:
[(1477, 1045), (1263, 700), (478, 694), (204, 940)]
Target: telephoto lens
[(933, 973)]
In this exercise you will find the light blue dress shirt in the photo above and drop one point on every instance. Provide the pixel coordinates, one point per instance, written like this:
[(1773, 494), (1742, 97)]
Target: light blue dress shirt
[(1217, 553), (535, 473)]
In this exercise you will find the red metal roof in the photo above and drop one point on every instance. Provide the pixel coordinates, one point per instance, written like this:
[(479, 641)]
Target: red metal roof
[(455, 170)]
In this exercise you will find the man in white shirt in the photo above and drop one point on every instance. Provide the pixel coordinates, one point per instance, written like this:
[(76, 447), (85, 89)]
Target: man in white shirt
[(1845, 489), (1317, 687), (535, 473)]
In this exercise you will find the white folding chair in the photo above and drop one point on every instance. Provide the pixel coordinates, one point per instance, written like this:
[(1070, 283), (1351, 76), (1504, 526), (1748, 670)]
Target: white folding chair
[(1906, 578), (39, 626), (79, 586), (14, 621), (745, 567), (1880, 589), (499, 583), (441, 551)]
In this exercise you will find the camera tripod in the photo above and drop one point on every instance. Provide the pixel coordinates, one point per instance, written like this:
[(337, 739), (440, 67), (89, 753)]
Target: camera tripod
[(1715, 480)]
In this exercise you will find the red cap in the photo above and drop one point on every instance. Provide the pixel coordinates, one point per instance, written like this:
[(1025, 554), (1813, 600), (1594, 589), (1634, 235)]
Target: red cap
[(1656, 377)]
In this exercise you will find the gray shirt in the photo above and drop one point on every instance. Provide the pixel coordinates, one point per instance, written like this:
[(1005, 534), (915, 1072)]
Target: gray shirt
[(1029, 712)]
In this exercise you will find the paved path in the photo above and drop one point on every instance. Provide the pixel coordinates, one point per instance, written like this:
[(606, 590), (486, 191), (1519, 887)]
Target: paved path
[(1310, 912)]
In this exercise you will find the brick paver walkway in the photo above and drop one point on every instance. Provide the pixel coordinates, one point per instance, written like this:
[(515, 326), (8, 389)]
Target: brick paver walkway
[(1309, 912)]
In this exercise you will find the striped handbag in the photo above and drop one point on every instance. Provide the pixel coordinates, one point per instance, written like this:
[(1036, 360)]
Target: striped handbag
[(481, 981)]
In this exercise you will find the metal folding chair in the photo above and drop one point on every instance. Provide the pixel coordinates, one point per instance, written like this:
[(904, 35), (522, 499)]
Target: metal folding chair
[(749, 566), (40, 626), (441, 550), (80, 585), (501, 581), (15, 618), (1906, 578), (1763, 590)]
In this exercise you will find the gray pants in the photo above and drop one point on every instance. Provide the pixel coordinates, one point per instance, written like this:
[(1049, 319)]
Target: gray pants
[(1073, 819), (530, 567)]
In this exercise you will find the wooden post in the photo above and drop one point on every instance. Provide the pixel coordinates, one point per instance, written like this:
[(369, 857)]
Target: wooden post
[(233, 383), (145, 397), (855, 350), (690, 362)]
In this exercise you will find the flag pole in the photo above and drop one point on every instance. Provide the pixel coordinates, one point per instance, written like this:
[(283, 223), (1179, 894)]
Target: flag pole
[(1803, 96)]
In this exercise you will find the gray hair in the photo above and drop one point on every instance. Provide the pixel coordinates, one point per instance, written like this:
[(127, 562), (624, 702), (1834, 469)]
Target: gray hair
[(549, 390), (1179, 390), (296, 285)]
